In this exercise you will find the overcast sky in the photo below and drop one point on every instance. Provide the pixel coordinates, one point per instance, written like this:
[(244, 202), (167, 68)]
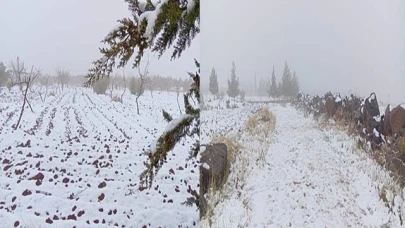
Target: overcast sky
[(49, 33), (332, 45)]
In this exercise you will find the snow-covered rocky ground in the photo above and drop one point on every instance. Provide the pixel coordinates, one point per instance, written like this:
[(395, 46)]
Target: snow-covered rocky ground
[(311, 175), (81, 165)]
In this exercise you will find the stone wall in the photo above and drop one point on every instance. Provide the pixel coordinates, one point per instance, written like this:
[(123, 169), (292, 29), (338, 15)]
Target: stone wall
[(374, 128)]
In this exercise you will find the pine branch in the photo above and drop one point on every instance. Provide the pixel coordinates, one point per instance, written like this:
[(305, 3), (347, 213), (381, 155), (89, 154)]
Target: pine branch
[(153, 26), (187, 125)]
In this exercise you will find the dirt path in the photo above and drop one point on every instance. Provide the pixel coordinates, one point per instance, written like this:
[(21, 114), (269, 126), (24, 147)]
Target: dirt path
[(311, 177)]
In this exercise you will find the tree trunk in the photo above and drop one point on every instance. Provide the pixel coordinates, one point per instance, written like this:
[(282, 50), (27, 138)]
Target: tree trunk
[(137, 105), (22, 109), (178, 103)]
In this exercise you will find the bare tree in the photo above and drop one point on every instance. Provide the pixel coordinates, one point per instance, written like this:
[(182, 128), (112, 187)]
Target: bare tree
[(111, 86), (125, 86), (44, 82), (150, 84), (177, 85), (63, 76), (25, 81), (143, 77)]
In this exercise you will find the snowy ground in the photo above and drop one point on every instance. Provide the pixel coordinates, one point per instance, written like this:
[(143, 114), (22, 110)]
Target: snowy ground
[(310, 176), (83, 159)]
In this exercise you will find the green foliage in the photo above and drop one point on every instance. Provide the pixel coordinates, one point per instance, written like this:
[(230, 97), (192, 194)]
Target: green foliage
[(176, 24), (167, 116), (214, 83), (186, 125), (233, 84)]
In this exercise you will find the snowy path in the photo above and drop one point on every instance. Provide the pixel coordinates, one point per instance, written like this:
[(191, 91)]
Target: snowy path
[(311, 178)]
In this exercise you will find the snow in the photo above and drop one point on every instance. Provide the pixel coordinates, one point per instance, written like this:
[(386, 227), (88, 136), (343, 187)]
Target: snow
[(205, 166), (150, 17), (377, 118), (376, 133), (108, 144), (311, 176), (172, 124), (338, 99), (175, 122), (190, 5), (372, 97)]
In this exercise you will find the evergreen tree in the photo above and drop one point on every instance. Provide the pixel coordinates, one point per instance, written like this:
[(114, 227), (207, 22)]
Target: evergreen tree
[(295, 85), (214, 83), (3, 74), (279, 89), (273, 86), (177, 23), (286, 81), (233, 84)]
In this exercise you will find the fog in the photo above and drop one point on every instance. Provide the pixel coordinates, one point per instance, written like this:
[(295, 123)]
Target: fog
[(50, 34), (332, 45)]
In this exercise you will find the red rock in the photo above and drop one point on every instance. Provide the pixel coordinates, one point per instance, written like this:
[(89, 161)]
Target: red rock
[(7, 167), (101, 197), (80, 213), (71, 217), (39, 176), (102, 185), (26, 192), (49, 221)]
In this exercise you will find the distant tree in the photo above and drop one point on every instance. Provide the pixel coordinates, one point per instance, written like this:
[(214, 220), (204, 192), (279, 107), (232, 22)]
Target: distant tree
[(44, 82), (214, 83), (279, 90), (295, 87), (286, 81), (273, 86), (101, 86), (3, 74), (63, 76), (133, 89), (233, 84)]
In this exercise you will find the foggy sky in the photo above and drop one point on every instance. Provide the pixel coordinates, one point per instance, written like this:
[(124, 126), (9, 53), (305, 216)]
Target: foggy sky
[(332, 45), (51, 34)]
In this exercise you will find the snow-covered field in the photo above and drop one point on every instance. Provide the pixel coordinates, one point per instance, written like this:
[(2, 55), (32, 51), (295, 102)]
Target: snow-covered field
[(76, 161), (311, 175)]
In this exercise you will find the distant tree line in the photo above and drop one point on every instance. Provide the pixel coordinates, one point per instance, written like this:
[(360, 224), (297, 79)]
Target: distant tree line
[(288, 86)]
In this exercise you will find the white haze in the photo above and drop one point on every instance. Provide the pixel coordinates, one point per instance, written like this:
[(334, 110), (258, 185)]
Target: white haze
[(332, 45), (50, 34)]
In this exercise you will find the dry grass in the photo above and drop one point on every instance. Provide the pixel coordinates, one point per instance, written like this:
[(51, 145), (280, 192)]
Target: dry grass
[(116, 98), (262, 122), (401, 145)]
